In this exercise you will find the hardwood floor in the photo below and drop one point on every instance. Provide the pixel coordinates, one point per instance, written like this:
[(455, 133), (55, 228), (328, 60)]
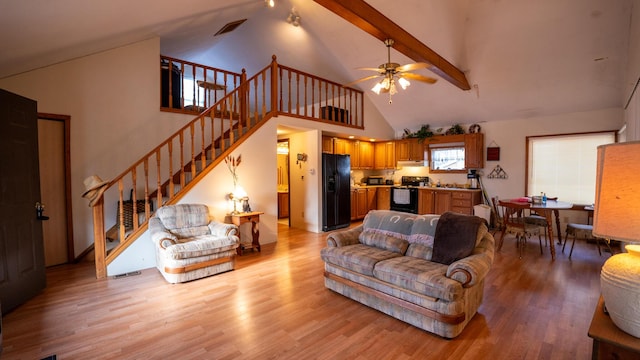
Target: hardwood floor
[(274, 305)]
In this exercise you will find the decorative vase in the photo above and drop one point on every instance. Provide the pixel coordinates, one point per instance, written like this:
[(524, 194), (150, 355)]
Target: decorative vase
[(620, 286)]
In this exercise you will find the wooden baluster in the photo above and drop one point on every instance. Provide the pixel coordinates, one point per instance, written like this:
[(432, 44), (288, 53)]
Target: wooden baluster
[(313, 97), (289, 101), (170, 156), (134, 198), (264, 97), (203, 155), (147, 207), (121, 209), (182, 174), (274, 85), (193, 150), (158, 175), (305, 95), (243, 93)]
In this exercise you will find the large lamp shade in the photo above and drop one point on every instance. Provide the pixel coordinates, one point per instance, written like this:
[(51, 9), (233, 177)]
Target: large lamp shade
[(617, 217), (617, 206)]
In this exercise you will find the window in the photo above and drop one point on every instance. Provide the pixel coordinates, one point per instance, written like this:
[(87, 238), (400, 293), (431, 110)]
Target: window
[(564, 166), (191, 90), (446, 157)]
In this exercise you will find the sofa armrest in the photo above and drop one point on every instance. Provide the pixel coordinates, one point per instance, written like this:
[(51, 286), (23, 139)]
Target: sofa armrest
[(160, 235), (222, 229), (471, 270), (344, 237)]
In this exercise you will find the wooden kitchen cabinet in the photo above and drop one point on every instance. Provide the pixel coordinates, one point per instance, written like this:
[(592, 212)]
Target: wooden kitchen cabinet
[(341, 146), (372, 199), (474, 151), (409, 150), (462, 202), (365, 154), (384, 198), (426, 201), (354, 205), (283, 205), (362, 205), (327, 144), (385, 155), (362, 200), (442, 201)]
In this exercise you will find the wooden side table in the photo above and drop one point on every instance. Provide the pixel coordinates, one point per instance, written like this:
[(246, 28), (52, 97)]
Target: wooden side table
[(244, 218), (609, 342)]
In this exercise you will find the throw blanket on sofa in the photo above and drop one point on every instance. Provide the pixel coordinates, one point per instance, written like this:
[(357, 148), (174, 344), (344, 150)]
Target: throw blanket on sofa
[(455, 237)]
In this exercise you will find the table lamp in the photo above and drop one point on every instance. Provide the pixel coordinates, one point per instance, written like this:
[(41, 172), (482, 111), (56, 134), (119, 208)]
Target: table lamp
[(617, 217)]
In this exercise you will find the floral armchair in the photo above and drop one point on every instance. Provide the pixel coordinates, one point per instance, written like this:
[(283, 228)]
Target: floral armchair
[(189, 245)]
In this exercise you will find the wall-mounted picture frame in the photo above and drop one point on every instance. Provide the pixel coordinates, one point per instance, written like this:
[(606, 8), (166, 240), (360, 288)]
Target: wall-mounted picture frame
[(493, 152)]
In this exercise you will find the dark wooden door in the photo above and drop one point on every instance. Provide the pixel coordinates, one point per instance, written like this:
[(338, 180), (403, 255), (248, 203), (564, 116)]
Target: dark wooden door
[(22, 269)]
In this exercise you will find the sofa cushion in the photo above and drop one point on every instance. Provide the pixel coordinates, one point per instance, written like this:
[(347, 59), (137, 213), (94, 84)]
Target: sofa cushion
[(423, 230), (420, 251), (200, 246), (456, 237), (394, 223), (383, 241), (418, 275), (359, 258), (183, 216)]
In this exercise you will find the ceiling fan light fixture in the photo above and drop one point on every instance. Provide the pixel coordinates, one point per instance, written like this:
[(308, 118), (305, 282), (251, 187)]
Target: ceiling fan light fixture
[(377, 87), (403, 83)]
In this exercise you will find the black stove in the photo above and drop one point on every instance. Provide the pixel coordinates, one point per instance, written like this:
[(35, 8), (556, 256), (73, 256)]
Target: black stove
[(405, 197)]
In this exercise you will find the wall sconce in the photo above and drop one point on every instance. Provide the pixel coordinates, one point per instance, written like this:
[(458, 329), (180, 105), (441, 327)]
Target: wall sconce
[(293, 18), (269, 3)]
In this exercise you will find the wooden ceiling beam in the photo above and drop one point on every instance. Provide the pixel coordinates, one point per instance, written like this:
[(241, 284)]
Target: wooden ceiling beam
[(362, 15)]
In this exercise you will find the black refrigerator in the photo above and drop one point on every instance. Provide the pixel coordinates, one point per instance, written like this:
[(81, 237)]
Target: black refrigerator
[(336, 191)]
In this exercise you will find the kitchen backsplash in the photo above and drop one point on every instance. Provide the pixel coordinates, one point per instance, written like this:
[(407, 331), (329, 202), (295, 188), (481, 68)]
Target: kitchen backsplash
[(360, 176)]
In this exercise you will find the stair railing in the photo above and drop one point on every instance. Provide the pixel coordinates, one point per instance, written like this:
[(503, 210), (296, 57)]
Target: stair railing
[(167, 172)]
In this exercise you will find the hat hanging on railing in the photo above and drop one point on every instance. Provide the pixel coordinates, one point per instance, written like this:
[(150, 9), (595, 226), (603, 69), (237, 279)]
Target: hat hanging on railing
[(94, 188)]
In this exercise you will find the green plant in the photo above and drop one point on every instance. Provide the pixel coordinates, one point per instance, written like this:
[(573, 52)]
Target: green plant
[(455, 130), (423, 133)]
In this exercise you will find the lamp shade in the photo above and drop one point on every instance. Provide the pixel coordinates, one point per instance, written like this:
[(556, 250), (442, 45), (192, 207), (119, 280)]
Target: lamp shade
[(617, 206)]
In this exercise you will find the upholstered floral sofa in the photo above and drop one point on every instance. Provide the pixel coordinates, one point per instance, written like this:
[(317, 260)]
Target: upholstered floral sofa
[(426, 270), (189, 245)]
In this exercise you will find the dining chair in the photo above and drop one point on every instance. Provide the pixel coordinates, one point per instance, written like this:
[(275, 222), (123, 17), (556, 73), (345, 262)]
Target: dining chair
[(585, 232), (514, 223), (498, 222), (538, 219)]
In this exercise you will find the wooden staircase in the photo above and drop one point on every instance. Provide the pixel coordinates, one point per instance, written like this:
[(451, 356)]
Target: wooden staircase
[(169, 171)]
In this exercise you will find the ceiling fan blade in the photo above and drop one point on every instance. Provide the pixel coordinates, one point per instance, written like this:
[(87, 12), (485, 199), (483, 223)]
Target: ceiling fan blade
[(361, 80), (411, 67), (417, 77)]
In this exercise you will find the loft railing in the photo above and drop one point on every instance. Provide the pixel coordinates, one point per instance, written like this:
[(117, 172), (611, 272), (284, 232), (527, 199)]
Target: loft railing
[(167, 172), (188, 87)]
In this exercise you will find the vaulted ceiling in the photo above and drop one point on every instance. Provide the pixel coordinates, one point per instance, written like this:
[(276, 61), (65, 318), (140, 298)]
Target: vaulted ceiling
[(522, 58)]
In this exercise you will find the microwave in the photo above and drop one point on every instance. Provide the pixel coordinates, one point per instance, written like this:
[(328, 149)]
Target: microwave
[(375, 180)]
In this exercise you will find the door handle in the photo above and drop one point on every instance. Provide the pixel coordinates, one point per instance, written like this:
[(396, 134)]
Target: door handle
[(40, 211)]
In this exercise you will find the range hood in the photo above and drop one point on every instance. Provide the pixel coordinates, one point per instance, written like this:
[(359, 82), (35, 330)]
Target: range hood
[(412, 163)]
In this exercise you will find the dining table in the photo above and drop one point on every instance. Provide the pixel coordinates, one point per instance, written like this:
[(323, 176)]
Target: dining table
[(549, 209)]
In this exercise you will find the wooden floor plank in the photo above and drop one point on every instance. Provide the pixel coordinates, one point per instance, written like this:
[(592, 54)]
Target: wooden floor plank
[(274, 305)]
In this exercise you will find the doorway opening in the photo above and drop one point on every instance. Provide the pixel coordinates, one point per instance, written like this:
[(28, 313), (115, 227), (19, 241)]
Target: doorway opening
[(283, 181)]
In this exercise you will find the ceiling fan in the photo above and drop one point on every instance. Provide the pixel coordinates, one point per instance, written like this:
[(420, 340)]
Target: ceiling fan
[(392, 72)]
